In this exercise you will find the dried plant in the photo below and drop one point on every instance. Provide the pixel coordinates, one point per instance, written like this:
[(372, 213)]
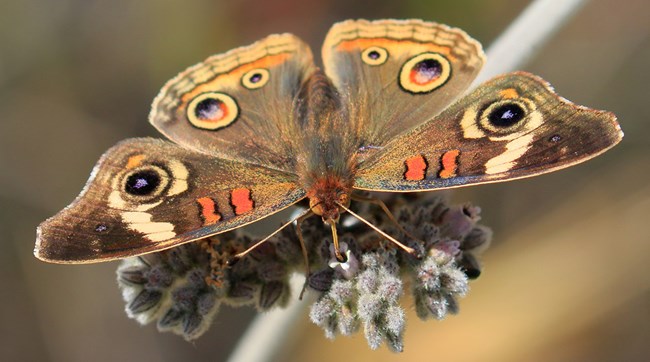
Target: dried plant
[(181, 289)]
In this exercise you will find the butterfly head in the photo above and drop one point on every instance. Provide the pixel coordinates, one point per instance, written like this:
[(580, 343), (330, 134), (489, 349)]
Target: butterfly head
[(328, 208), (325, 199)]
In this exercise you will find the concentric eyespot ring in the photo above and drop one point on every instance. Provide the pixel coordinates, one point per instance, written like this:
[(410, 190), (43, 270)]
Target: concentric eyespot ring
[(504, 116), (424, 72), (256, 78), (212, 111), (374, 55), (146, 182)]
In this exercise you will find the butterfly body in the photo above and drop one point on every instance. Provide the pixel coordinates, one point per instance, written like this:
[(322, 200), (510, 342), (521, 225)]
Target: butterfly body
[(327, 172), (260, 128)]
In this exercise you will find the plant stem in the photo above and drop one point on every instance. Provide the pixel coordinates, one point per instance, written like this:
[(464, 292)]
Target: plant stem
[(526, 35)]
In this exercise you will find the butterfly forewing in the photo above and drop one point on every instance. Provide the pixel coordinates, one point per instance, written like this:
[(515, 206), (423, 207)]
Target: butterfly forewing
[(396, 74), (237, 105), (148, 195)]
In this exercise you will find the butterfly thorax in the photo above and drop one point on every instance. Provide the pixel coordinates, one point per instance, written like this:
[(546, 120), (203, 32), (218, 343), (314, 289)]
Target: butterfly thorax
[(325, 146)]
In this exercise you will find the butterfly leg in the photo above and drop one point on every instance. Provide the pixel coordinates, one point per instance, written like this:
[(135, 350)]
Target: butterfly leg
[(388, 213), (232, 261), (305, 255)]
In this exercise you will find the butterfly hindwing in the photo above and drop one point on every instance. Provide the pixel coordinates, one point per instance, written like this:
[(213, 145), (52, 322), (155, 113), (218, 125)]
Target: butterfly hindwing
[(511, 127), (147, 195), (396, 74), (237, 105)]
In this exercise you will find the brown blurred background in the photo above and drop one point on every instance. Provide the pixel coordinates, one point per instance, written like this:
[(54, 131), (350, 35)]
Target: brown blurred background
[(567, 277)]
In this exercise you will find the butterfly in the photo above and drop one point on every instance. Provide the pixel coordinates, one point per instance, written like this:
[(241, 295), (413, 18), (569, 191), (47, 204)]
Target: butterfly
[(260, 128)]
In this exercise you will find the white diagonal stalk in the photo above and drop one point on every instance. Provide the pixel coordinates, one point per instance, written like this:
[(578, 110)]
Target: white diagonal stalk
[(526, 35), (517, 44)]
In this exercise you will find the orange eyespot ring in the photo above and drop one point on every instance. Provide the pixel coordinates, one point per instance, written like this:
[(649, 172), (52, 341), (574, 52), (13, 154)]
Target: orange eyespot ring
[(212, 111), (374, 56), (256, 78), (424, 72)]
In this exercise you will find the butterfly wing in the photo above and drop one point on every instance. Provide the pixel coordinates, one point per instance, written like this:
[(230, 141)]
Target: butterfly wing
[(237, 105), (146, 195), (511, 127), (396, 74)]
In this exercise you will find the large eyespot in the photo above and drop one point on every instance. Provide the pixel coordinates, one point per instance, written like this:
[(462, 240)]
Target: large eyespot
[(505, 116), (425, 72), (142, 183), (255, 78), (212, 111), (145, 182), (374, 56)]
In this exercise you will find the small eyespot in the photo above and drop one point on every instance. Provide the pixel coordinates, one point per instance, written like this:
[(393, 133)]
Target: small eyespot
[(374, 56), (101, 228), (142, 183), (504, 116), (255, 78), (555, 138), (424, 72), (212, 111)]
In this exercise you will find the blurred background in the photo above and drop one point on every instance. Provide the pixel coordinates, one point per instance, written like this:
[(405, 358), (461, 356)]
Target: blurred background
[(566, 279)]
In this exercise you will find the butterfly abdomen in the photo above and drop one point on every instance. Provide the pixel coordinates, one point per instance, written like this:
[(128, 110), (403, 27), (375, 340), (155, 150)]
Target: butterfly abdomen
[(317, 97), (325, 142)]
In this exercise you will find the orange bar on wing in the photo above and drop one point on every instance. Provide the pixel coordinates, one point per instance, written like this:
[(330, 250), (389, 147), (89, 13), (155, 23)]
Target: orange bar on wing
[(241, 200), (416, 168), (208, 211), (233, 76), (509, 93), (417, 47), (134, 161), (449, 162)]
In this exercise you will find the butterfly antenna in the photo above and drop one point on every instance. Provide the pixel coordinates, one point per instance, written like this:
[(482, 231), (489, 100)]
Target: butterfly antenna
[(388, 237), (386, 211), (299, 221), (232, 261)]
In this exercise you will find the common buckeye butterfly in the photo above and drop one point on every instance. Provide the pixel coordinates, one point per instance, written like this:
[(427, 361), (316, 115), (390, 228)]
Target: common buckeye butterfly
[(259, 128)]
